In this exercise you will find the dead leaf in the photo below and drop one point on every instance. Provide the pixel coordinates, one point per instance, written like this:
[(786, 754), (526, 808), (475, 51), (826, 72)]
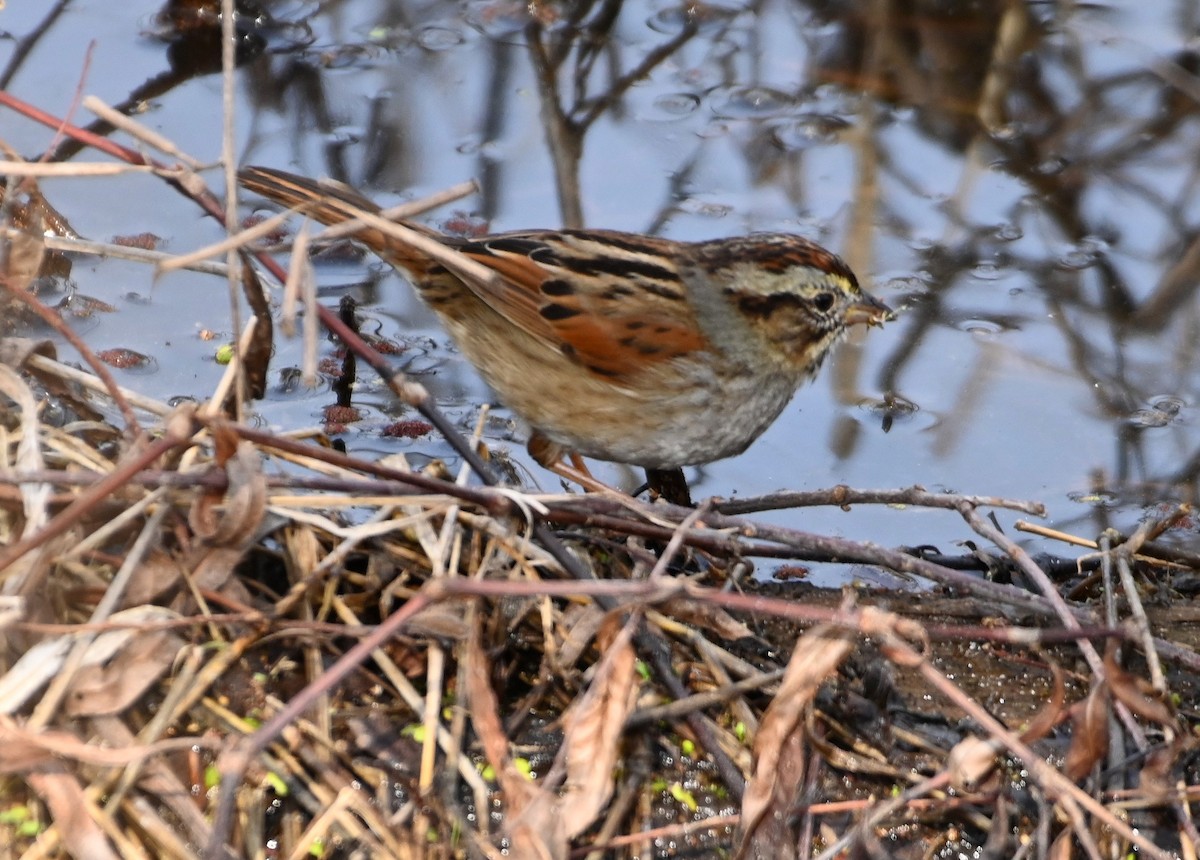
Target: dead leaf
[(256, 357), (125, 358), (22, 757), (156, 778), (44, 660), (439, 621), (592, 731), (1047, 718), (111, 687), (231, 518), (228, 522), (23, 252), (1136, 693), (1089, 733), (1155, 780), (971, 761), (532, 822), (778, 747), (32, 671), (581, 623), (158, 573)]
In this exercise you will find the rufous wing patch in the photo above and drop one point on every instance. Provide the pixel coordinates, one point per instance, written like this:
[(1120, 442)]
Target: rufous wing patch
[(619, 346), (589, 329)]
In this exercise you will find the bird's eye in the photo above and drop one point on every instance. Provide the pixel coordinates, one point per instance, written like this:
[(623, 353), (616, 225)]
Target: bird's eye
[(823, 301)]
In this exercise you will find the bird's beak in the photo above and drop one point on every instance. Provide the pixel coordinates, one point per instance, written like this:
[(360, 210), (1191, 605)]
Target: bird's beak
[(869, 311)]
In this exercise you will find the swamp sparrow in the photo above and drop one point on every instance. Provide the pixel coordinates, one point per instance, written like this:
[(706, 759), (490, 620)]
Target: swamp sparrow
[(619, 346)]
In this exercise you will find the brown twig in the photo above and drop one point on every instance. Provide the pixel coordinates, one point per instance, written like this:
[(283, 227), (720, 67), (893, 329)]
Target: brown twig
[(843, 497)]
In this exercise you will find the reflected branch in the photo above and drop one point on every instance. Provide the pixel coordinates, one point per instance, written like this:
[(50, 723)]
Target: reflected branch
[(565, 126)]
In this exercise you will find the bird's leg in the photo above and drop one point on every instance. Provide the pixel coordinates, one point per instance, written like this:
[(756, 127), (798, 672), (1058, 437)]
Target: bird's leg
[(554, 457), (671, 485)]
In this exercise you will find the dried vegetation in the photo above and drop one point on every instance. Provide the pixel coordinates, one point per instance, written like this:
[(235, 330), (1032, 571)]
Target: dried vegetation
[(225, 641), (221, 642)]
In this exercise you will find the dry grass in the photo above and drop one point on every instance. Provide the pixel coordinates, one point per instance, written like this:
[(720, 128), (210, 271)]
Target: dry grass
[(222, 642), (243, 641)]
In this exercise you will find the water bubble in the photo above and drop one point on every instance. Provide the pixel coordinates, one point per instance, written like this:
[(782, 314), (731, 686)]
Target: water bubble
[(1008, 232), (435, 38), (1160, 412), (1168, 403), (498, 19), (752, 102), (706, 209), (713, 130), (677, 104), (1008, 131), (359, 55), (670, 21), (1082, 255), (1051, 166), (986, 270), (672, 106), (808, 130), (345, 135), (704, 16), (914, 283), (1076, 258), (1149, 418), (701, 77), (981, 328), (492, 149)]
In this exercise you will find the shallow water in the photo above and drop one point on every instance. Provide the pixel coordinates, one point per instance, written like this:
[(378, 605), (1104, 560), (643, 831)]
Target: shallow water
[(1019, 183)]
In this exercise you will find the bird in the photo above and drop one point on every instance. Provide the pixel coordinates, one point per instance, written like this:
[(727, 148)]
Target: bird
[(619, 346)]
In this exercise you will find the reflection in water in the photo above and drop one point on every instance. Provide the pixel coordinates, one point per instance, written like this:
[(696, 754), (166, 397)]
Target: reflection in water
[(1019, 177), (191, 30)]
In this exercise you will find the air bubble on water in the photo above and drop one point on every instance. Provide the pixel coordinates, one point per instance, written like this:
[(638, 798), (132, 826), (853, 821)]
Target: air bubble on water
[(1168, 404), (1008, 131), (752, 102), (1008, 232), (672, 106), (986, 270), (438, 38), (1051, 166), (982, 328), (808, 130)]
